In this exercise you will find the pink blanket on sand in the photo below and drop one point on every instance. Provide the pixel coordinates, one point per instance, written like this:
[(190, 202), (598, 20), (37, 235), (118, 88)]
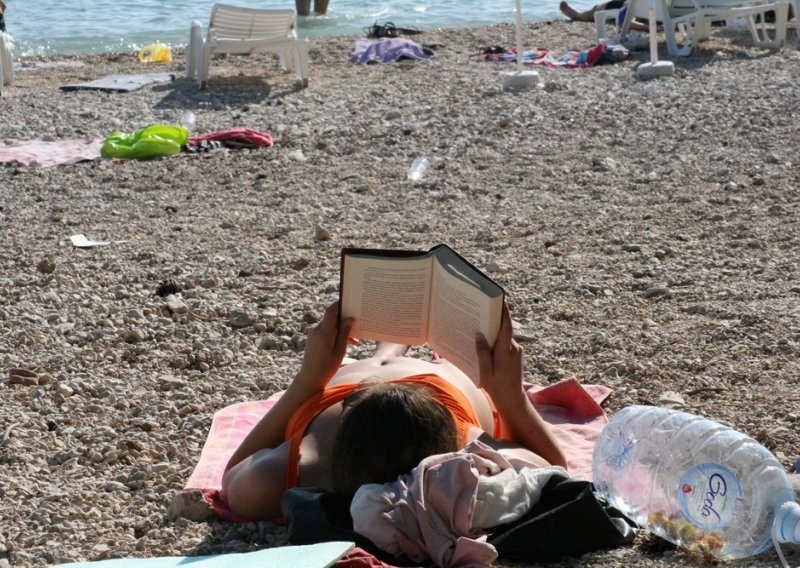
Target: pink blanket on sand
[(49, 152), (573, 411)]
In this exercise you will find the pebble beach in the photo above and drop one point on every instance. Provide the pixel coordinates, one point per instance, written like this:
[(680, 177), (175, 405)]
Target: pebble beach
[(646, 234)]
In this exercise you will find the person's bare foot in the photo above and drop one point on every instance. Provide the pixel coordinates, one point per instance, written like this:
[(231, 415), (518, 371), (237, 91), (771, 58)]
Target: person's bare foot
[(575, 15)]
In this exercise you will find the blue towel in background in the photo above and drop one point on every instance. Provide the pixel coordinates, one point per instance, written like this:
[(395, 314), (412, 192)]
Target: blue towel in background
[(322, 555)]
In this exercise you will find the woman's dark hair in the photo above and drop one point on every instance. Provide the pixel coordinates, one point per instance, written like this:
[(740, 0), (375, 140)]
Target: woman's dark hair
[(386, 430)]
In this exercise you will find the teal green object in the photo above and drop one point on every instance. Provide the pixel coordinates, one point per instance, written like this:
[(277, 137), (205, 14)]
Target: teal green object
[(320, 555), (150, 142)]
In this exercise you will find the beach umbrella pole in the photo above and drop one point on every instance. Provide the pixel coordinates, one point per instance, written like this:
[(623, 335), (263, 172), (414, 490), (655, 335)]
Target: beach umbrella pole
[(654, 68), (519, 80)]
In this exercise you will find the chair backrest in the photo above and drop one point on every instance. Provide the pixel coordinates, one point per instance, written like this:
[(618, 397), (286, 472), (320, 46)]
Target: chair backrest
[(730, 3), (665, 9), (678, 8), (235, 22)]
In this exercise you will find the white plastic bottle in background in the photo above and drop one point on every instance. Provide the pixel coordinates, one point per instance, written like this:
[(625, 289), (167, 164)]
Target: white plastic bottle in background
[(188, 120), (695, 482), (418, 168)]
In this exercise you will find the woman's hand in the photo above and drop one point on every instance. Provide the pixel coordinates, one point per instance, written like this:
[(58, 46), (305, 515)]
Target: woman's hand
[(501, 376), (325, 349), (501, 367)]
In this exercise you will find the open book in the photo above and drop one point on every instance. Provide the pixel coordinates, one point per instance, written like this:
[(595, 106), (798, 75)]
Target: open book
[(415, 297)]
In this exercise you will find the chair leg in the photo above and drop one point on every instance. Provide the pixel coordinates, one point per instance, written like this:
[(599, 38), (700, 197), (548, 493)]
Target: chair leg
[(194, 50), (285, 58), (301, 63), (601, 18), (6, 64), (202, 75), (796, 10), (780, 31), (675, 50), (702, 29), (762, 35)]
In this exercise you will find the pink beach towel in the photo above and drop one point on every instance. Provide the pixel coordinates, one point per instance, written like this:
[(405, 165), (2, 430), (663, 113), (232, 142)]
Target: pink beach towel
[(573, 411), (49, 152), (552, 58)]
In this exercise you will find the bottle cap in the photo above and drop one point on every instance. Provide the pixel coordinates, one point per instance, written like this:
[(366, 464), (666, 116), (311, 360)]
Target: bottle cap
[(787, 522), (786, 527)]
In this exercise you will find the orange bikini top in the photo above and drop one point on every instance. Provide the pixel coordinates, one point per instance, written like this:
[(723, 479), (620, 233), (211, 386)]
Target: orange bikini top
[(445, 393)]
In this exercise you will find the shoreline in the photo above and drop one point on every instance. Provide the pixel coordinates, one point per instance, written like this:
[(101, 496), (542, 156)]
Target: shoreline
[(307, 28), (180, 47), (586, 195)]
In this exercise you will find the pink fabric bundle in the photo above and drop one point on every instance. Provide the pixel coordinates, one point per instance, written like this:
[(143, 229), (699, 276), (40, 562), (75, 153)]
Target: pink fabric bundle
[(441, 509)]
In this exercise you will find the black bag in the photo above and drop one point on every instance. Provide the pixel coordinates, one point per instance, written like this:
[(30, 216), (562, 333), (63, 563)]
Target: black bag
[(568, 520)]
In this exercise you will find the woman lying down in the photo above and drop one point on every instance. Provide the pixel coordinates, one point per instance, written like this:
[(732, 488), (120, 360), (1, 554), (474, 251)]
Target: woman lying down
[(340, 427)]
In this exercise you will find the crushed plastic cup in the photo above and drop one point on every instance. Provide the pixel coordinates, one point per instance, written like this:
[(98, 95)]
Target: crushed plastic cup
[(650, 90), (418, 169)]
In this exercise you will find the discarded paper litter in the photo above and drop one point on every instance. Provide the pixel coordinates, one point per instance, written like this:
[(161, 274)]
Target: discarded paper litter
[(80, 241)]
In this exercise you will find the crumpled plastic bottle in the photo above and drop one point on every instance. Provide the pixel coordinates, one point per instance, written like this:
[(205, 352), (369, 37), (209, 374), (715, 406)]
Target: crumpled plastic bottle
[(418, 169), (188, 120)]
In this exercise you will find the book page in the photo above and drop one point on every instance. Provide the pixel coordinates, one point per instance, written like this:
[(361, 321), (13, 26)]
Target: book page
[(459, 310), (388, 297)]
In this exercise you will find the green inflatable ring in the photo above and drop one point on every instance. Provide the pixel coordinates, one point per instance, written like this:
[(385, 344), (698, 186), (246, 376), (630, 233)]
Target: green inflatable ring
[(156, 140)]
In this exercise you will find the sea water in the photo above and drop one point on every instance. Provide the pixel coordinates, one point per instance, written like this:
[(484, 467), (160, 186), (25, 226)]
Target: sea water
[(44, 27)]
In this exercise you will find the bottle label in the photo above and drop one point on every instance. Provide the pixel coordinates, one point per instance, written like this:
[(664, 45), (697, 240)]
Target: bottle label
[(710, 496)]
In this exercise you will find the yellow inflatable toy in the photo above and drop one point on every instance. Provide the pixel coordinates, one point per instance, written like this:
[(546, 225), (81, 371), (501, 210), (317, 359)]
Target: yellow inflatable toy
[(155, 53)]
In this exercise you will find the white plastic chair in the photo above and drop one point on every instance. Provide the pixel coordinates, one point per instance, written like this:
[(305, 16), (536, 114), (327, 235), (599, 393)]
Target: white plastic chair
[(686, 22), (676, 35), (233, 29), (6, 65)]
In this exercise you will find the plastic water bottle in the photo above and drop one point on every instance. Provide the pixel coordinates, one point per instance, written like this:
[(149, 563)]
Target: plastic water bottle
[(418, 168), (695, 482), (188, 120)]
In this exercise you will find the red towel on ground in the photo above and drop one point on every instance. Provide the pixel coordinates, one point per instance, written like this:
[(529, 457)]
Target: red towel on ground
[(238, 137)]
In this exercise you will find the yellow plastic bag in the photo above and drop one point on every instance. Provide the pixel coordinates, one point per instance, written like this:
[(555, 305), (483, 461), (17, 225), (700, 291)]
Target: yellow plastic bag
[(155, 53)]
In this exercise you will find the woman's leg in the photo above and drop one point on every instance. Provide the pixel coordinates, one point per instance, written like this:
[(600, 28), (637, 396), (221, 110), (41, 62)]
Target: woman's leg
[(585, 16), (320, 7)]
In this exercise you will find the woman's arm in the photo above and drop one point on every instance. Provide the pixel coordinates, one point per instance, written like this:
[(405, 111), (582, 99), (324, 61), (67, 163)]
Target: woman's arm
[(501, 377), (255, 475), (325, 350)]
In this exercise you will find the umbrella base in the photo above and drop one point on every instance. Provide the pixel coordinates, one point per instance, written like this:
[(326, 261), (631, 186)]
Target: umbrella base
[(656, 69)]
